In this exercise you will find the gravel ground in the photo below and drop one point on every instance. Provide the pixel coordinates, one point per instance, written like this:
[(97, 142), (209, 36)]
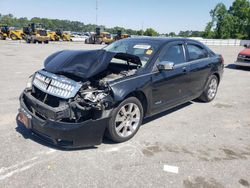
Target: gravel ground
[(209, 144)]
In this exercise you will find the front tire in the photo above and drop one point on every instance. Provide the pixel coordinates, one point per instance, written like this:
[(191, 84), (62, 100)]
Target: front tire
[(2, 37), (210, 90), (125, 120), (13, 37)]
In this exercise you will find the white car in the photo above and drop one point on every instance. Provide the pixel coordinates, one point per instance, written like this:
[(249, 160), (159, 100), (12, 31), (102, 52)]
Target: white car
[(77, 37)]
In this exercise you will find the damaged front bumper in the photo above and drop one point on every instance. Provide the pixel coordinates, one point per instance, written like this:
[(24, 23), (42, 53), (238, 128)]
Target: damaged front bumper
[(63, 134)]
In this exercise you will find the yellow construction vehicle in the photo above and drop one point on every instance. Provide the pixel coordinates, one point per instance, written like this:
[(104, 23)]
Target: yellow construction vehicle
[(63, 36), (4, 32), (36, 33), (121, 35), (53, 36), (100, 37), (95, 38), (107, 38), (10, 33), (58, 34), (16, 34)]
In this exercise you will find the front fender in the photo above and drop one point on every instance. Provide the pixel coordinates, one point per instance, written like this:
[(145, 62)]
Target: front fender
[(121, 89)]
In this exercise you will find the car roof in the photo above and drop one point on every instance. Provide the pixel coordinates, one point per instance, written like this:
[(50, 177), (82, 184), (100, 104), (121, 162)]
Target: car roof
[(160, 40)]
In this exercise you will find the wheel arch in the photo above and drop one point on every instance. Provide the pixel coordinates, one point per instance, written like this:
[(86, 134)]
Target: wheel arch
[(217, 75), (140, 95)]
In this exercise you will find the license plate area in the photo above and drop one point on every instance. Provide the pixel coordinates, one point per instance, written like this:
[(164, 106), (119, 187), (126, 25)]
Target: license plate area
[(24, 118)]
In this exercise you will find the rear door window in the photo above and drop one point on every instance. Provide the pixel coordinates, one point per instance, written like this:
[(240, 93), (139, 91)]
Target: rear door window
[(196, 52)]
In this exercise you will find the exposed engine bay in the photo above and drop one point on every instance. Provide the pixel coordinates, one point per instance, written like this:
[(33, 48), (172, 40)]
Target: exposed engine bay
[(68, 98)]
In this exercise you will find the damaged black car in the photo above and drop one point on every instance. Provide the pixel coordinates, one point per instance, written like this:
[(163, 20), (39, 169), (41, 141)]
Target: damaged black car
[(80, 96)]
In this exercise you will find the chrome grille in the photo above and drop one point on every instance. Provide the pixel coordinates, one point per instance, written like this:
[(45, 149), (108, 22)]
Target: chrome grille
[(55, 85)]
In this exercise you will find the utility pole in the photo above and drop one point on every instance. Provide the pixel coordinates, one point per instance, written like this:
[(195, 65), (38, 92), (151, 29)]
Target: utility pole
[(96, 16)]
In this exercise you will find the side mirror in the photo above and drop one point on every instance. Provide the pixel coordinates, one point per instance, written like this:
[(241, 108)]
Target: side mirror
[(245, 45), (165, 65)]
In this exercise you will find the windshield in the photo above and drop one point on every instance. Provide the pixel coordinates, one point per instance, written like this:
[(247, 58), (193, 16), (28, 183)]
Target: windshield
[(144, 50)]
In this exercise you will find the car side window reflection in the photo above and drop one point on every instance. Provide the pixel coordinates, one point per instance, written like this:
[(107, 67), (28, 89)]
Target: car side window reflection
[(196, 52), (173, 54)]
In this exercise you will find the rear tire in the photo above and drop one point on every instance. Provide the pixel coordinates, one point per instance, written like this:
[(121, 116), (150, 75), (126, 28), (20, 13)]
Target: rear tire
[(125, 120), (237, 66), (33, 41), (23, 36), (28, 41), (210, 90)]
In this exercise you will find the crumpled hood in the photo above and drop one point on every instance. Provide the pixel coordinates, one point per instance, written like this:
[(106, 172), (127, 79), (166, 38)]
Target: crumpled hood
[(83, 64)]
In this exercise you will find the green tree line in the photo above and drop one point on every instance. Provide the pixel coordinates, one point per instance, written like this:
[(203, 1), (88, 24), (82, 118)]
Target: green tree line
[(66, 25)]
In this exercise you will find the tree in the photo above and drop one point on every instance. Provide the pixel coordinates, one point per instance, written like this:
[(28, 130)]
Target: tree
[(150, 32), (227, 27), (7, 19), (172, 34), (232, 23), (208, 33), (218, 15), (140, 32), (240, 9)]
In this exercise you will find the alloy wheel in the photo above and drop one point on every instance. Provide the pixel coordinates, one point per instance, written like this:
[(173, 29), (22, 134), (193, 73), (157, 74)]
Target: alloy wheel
[(127, 120), (212, 88)]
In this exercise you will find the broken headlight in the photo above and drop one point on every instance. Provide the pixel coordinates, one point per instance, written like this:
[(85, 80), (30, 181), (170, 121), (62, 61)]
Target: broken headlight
[(97, 99), (29, 82)]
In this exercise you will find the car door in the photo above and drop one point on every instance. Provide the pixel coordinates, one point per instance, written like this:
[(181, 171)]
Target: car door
[(200, 65), (170, 87)]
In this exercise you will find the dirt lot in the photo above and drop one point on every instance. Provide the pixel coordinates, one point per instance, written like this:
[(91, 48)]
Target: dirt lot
[(209, 143)]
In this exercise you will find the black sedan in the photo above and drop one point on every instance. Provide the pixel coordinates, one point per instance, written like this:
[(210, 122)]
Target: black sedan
[(80, 96)]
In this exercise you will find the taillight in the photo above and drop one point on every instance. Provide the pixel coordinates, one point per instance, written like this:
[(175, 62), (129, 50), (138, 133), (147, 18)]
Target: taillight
[(222, 60)]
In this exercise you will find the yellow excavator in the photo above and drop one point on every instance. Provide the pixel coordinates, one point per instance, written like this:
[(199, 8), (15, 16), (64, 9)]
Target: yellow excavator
[(36, 33), (6, 32)]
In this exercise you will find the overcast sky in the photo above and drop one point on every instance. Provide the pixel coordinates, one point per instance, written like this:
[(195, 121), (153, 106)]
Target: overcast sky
[(162, 15)]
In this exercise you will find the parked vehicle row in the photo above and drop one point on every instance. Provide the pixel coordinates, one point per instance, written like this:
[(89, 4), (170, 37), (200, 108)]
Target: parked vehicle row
[(101, 37), (35, 33)]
